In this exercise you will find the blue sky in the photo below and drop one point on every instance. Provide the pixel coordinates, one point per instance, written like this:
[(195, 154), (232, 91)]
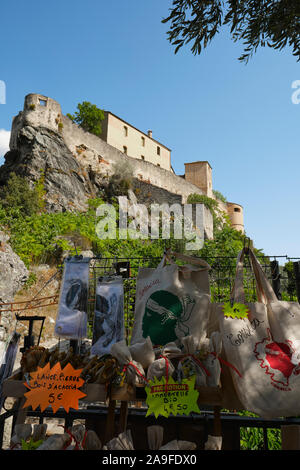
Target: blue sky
[(115, 54)]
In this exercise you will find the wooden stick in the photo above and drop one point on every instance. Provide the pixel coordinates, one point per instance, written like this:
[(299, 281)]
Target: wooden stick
[(110, 421), (217, 421), (123, 416)]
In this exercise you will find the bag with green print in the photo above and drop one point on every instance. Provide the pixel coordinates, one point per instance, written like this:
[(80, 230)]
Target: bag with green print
[(172, 301)]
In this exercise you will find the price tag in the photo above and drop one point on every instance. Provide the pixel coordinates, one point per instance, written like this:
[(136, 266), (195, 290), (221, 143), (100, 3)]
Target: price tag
[(172, 398), (237, 310), (54, 387)]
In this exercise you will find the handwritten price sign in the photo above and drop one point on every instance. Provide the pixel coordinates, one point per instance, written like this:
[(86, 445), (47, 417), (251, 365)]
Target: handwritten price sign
[(54, 387), (172, 398)]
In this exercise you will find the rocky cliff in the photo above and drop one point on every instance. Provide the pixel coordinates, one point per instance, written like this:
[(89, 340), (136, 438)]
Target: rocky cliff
[(38, 151), (13, 276)]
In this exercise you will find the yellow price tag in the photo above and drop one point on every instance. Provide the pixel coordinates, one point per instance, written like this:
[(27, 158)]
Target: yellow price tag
[(237, 310), (172, 398)]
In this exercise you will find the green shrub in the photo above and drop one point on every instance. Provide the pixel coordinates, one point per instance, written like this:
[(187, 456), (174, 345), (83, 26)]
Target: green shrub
[(219, 217), (219, 196), (252, 438), (17, 195)]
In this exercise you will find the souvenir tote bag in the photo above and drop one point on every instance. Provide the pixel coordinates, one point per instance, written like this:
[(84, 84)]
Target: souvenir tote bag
[(284, 316), (172, 301), (260, 341)]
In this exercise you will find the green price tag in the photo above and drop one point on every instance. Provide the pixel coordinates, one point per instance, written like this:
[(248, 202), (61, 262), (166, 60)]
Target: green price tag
[(237, 310), (172, 398)]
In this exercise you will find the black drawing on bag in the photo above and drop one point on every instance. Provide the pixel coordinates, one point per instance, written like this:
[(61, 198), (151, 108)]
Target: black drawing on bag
[(76, 297), (108, 323), (245, 332)]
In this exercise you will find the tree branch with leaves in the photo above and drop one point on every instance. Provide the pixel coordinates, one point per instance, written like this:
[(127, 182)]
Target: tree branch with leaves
[(257, 23)]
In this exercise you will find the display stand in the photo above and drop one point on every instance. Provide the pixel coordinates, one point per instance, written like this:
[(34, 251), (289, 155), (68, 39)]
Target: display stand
[(208, 396)]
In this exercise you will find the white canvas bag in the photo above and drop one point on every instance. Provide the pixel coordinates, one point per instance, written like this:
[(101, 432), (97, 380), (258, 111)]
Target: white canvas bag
[(172, 301), (263, 348)]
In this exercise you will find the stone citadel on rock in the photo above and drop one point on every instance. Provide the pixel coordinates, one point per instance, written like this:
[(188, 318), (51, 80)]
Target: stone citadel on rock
[(75, 163)]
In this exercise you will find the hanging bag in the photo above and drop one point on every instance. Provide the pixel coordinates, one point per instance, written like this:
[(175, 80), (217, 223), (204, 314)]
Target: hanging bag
[(108, 326), (262, 346), (71, 319), (172, 301)]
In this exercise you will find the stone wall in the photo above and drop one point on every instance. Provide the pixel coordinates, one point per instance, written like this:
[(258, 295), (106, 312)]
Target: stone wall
[(91, 150)]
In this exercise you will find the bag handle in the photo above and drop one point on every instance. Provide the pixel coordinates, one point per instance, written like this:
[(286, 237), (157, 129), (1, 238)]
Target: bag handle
[(264, 290), (263, 285), (237, 291), (189, 259)]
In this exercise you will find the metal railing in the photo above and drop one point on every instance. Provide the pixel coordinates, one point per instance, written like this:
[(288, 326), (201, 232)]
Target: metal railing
[(285, 284), (233, 426)]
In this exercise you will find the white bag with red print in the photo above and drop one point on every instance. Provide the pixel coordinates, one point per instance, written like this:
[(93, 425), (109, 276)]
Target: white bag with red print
[(263, 347)]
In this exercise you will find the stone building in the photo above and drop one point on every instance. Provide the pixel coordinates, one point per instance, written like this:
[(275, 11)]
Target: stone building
[(133, 142)]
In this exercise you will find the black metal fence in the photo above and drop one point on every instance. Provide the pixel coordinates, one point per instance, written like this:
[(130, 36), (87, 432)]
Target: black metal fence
[(285, 279)]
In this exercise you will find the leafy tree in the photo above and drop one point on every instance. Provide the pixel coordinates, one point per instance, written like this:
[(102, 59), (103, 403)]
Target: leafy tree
[(257, 23), (288, 269), (89, 117)]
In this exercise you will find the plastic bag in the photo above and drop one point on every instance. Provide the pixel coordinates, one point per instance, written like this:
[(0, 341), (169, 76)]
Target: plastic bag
[(71, 320), (108, 325)]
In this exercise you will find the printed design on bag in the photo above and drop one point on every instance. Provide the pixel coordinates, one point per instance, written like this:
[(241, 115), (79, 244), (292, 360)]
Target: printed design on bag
[(107, 324), (145, 289), (280, 360), (164, 314), (248, 329)]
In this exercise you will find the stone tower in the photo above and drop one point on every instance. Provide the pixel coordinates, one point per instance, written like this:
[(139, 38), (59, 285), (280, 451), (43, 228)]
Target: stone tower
[(200, 174), (235, 213)]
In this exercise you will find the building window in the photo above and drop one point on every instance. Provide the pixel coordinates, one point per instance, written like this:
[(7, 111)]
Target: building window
[(43, 102), (236, 209), (158, 164), (125, 131), (143, 141), (142, 157), (125, 149), (158, 150)]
